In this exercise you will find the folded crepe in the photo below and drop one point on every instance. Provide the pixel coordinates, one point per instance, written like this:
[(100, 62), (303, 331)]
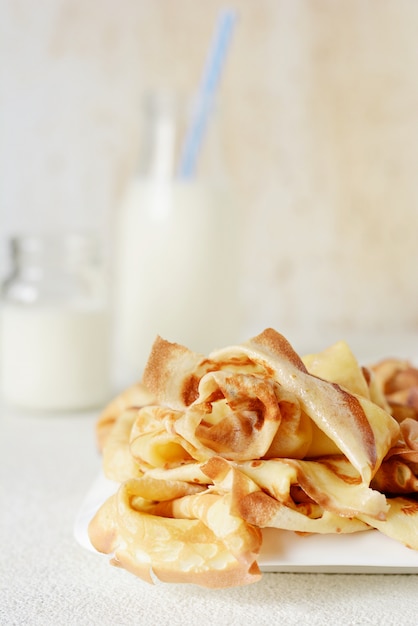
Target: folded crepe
[(212, 449), (397, 379)]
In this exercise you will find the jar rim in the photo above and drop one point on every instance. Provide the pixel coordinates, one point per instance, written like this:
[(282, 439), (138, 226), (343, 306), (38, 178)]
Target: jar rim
[(72, 245), (36, 241)]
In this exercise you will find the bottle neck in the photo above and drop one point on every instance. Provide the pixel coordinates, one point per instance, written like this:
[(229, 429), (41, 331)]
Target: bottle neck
[(166, 122)]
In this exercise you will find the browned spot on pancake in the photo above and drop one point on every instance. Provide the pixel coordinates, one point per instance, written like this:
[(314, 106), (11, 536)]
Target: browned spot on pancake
[(367, 375), (251, 412), (336, 469), (241, 362), (215, 396), (156, 373), (410, 507), (190, 390), (236, 361), (299, 496), (361, 423), (216, 468), (152, 373), (208, 365), (232, 434), (317, 495), (257, 508), (279, 346)]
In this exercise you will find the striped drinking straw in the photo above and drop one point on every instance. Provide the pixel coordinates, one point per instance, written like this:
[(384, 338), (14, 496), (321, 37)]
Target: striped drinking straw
[(206, 93)]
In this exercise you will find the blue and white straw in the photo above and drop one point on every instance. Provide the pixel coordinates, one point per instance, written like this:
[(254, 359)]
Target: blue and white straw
[(206, 94)]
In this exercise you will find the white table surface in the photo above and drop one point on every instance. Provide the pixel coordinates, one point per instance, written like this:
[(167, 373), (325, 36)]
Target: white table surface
[(47, 464)]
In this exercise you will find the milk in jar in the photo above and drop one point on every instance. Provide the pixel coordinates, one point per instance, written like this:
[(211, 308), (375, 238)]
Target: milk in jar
[(54, 326)]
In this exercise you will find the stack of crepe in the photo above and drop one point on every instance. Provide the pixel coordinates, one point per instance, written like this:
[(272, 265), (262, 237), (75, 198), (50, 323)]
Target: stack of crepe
[(209, 450)]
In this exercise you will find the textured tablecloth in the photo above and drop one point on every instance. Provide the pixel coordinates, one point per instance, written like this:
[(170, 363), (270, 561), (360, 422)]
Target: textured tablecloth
[(47, 463)]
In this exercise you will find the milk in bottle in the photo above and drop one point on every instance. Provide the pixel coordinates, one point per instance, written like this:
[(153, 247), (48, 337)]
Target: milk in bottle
[(177, 246)]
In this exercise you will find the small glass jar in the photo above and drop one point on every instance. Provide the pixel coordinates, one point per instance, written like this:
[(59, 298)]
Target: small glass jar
[(55, 331)]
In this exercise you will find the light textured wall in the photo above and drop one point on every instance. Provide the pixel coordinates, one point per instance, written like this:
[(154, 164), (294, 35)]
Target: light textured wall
[(320, 120)]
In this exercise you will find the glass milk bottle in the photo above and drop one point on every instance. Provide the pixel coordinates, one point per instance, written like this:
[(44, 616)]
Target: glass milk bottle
[(54, 322), (176, 271)]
